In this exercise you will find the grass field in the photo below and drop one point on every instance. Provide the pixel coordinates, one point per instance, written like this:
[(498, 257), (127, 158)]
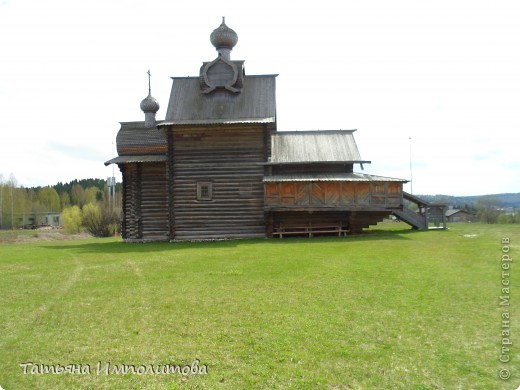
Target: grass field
[(390, 309)]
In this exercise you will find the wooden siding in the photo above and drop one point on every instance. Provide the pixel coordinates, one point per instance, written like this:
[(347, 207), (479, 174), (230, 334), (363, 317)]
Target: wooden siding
[(145, 202), (169, 176), (131, 227), (154, 202), (354, 195), (229, 158)]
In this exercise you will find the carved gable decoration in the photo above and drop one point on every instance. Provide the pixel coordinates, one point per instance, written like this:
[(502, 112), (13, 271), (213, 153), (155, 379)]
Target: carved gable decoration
[(222, 73)]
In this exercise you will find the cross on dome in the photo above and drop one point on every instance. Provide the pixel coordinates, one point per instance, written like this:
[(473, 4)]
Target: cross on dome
[(224, 39)]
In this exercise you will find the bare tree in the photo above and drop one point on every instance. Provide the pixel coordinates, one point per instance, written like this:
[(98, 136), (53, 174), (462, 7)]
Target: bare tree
[(488, 209)]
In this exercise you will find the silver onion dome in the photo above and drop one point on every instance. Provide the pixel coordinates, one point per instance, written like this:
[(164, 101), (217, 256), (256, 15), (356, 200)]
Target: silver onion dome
[(149, 104), (223, 37)]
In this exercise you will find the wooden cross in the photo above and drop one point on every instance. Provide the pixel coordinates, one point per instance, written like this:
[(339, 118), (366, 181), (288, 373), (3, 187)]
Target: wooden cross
[(149, 86)]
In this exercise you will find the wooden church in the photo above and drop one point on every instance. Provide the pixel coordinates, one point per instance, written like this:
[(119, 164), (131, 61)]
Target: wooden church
[(217, 168)]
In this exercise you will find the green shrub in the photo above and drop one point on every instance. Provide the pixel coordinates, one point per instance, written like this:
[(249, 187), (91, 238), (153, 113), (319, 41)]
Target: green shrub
[(72, 218), (99, 221)]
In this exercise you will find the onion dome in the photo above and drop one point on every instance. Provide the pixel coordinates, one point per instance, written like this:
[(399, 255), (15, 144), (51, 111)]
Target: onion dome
[(150, 104), (223, 37)]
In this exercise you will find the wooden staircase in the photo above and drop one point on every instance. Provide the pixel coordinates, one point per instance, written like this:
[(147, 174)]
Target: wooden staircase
[(418, 221)]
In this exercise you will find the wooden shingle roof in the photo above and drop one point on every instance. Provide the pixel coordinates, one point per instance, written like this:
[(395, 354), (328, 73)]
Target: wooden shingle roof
[(134, 138), (351, 177), (320, 146), (255, 103)]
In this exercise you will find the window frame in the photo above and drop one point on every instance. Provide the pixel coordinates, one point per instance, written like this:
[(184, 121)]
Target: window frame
[(204, 191)]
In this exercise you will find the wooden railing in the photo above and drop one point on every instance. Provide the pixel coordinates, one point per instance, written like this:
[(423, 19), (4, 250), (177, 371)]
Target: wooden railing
[(310, 229)]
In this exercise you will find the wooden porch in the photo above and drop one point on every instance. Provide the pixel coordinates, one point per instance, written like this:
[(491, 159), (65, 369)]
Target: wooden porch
[(425, 212)]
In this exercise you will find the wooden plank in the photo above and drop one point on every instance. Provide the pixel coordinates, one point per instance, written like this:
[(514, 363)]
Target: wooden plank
[(272, 195), (331, 193), (229, 158), (287, 193), (317, 194), (303, 196), (154, 201), (362, 193)]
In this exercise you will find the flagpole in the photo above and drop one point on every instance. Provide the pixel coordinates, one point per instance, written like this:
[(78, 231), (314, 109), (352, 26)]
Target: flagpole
[(411, 171)]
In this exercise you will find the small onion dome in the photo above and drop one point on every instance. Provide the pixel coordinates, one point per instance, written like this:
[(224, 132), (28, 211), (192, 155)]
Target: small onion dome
[(223, 37), (149, 104)]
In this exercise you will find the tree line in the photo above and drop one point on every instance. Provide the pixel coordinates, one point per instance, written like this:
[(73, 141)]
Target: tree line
[(489, 209), (87, 204), (22, 207)]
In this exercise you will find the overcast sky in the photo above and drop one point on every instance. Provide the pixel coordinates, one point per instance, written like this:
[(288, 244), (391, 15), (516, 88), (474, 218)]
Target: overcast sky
[(445, 73)]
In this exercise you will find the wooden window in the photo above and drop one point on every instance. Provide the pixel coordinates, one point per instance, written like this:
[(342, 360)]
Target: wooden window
[(394, 188), (204, 191), (378, 188)]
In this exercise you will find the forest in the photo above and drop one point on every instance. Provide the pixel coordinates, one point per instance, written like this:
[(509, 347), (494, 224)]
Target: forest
[(29, 207)]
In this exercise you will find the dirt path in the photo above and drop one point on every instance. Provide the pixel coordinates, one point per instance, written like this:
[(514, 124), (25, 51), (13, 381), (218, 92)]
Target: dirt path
[(22, 236)]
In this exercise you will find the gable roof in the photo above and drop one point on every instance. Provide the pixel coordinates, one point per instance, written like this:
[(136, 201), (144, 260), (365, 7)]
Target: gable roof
[(451, 212), (328, 146), (256, 103), (356, 177)]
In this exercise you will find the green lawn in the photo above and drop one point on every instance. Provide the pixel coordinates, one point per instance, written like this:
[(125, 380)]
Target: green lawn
[(389, 309)]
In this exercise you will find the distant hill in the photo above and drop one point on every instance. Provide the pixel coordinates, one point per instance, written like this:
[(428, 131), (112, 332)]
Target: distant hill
[(505, 200)]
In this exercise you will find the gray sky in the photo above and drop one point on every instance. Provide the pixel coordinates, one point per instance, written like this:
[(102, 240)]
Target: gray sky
[(445, 73)]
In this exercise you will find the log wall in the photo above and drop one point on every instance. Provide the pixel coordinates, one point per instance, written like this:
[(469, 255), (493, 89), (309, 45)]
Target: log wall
[(154, 202), (145, 202), (229, 159), (131, 226)]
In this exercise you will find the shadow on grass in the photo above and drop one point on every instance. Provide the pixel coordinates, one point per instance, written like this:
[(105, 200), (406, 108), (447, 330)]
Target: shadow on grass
[(122, 247)]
